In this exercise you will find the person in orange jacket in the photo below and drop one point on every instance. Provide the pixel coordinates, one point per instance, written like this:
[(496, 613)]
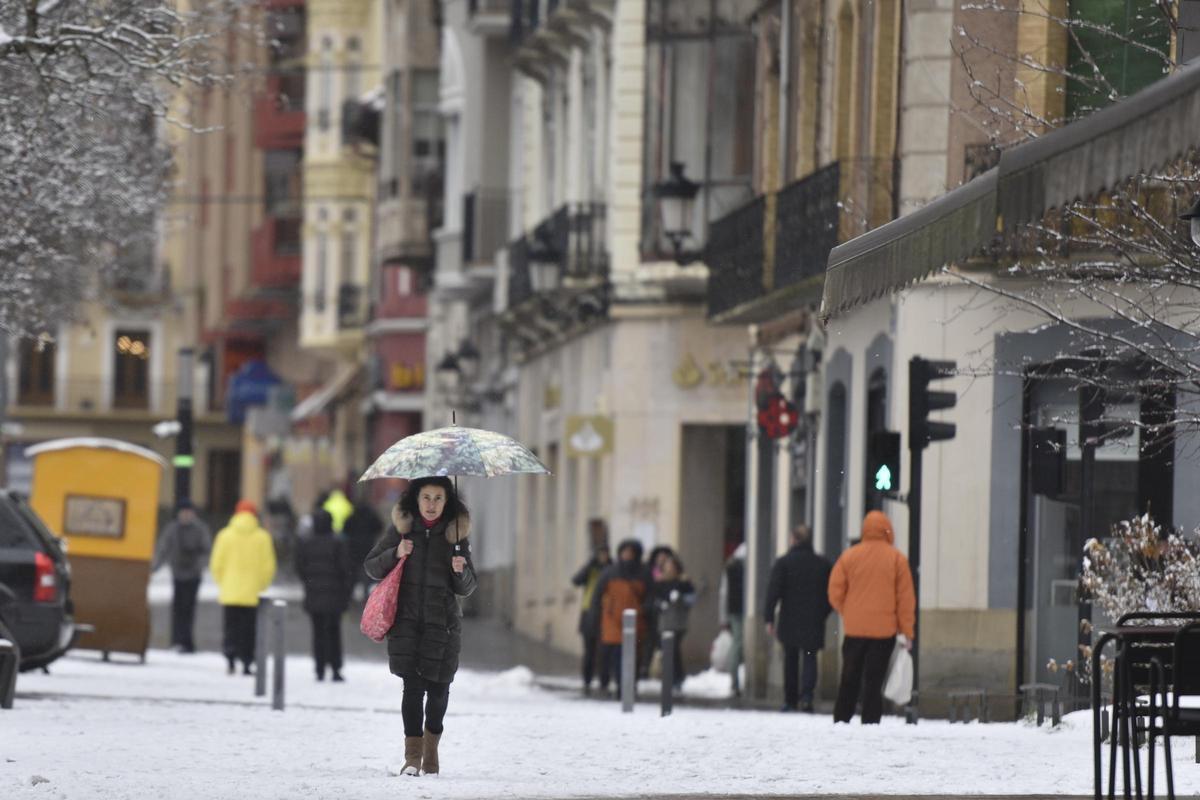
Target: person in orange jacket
[(871, 586), (623, 585)]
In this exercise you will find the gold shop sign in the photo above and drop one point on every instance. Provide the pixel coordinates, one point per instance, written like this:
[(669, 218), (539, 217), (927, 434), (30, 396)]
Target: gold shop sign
[(589, 436), (690, 374)]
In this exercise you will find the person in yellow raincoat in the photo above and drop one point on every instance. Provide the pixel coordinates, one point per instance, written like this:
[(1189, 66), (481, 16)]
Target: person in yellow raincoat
[(339, 507), (243, 565)]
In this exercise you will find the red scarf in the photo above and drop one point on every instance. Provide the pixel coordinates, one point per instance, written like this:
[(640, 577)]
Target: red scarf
[(430, 523)]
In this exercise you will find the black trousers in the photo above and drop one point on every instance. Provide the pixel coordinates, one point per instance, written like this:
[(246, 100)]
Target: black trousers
[(434, 696), (590, 642), (610, 665), (864, 666), (793, 692), (241, 625), (183, 613), (327, 641)]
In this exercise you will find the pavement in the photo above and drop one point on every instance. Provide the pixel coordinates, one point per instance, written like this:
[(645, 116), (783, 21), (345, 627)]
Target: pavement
[(487, 644)]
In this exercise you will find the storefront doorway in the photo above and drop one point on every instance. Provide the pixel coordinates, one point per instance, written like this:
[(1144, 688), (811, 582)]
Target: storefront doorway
[(1113, 463)]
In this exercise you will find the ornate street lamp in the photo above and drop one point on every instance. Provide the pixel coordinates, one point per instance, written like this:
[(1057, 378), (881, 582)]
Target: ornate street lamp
[(1192, 215), (468, 357), (545, 265), (675, 197), (448, 374)]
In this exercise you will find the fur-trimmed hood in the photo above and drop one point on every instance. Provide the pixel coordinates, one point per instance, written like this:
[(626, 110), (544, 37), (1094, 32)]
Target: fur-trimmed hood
[(458, 529)]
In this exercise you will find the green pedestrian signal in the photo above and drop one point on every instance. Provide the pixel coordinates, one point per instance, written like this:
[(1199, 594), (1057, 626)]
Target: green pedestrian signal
[(883, 479), (883, 464)]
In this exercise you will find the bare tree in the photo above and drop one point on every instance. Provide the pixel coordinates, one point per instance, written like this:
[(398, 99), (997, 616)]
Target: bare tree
[(84, 167), (1118, 271)]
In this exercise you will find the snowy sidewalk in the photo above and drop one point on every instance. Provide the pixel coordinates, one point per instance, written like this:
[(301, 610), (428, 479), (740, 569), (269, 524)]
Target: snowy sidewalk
[(178, 727)]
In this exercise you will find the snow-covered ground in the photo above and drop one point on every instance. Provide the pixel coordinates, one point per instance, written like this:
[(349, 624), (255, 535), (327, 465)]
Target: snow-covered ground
[(178, 727)]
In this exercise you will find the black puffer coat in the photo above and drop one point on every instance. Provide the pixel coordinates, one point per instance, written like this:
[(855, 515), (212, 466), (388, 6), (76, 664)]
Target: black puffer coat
[(323, 564), (799, 585), (427, 635)]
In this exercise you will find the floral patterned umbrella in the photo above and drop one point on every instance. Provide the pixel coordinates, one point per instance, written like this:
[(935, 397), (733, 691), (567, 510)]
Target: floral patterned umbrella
[(455, 451)]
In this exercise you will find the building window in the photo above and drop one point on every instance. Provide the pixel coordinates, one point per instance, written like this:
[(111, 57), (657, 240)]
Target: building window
[(428, 136), (131, 369), (321, 284), (35, 381), (699, 95), (392, 152), (325, 91), (1129, 42), (283, 182)]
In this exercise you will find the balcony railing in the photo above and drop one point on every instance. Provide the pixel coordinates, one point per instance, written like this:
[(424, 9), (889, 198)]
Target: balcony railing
[(803, 222), (565, 251), (485, 224), (520, 283), (352, 306), (806, 226), (735, 255)]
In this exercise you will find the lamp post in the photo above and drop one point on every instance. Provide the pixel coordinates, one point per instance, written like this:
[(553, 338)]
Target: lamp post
[(448, 374), (675, 197), (468, 357), (184, 458)]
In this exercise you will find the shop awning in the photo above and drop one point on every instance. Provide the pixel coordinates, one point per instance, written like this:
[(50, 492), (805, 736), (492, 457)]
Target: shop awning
[(1146, 130), (1138, 134), (907, 249), (333, 391)]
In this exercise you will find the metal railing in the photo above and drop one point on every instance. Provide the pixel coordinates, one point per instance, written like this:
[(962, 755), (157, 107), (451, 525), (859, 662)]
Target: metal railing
[(735, 257), (805, 221), (520, 283), (570, 241), (806, 226)]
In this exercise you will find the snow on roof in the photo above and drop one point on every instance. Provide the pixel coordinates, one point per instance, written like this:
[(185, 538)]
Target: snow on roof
[(95, 442), (374, 99)]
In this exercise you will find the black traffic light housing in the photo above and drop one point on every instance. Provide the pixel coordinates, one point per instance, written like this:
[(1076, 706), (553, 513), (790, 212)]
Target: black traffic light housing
[(883, 462), (921, 401), (1047, 461)]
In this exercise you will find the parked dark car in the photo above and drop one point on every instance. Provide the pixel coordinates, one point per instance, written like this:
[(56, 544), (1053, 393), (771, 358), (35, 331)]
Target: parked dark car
[(34, 568)]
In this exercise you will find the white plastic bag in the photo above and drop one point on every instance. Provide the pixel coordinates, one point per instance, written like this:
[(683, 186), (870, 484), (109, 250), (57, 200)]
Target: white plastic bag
[(899, 684), (721, 651)]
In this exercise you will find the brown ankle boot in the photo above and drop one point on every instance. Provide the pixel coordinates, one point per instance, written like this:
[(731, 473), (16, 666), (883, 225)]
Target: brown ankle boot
[(412, 756), (429, 758)]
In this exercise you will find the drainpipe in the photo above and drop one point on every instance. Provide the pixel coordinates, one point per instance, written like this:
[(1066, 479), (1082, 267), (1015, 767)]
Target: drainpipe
[(752, 645), (785, 84)]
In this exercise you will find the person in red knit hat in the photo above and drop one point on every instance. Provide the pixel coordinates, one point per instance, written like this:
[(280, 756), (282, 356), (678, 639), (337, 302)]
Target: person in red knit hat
[(243, 565)]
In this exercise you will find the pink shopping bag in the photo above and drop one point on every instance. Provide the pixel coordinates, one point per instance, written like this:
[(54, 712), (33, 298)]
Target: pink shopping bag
[(380, 610)]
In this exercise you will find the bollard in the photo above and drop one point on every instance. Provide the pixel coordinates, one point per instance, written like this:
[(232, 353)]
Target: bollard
[(628, 658), (668, 672), (10, 663), (278, 642), (260, 647)]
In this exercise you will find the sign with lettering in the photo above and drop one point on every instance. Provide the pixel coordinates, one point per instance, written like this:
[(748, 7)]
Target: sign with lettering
[(94, 516)]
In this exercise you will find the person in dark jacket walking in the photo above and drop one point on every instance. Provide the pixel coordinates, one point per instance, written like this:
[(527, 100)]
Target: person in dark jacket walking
[(587, 578), (798, 586), (362, 528), (674, 596), (184, 545), (731, 610), (624, 585), (323, 566), (430, 526)]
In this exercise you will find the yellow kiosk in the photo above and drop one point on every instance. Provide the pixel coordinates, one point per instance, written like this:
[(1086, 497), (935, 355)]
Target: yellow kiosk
[(101, 495)]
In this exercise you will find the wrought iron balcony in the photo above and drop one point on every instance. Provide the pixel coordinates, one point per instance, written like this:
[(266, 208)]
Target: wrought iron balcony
[(762, 256), (735, 257)]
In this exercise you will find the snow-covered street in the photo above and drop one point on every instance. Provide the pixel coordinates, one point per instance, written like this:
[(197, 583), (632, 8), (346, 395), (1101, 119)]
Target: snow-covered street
[(178, 727)]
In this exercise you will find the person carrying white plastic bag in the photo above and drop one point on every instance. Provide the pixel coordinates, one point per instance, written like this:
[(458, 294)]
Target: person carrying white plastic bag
[(871, 587), (899, 684)]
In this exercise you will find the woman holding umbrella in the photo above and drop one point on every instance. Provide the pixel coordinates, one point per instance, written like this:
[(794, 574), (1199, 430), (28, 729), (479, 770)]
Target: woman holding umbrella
[(430, 526)]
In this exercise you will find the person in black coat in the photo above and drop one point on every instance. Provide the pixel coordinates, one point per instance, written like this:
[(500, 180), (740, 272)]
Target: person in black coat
[(430, 526), (324, 567), (674, 595), (799, 586), (361, 529)]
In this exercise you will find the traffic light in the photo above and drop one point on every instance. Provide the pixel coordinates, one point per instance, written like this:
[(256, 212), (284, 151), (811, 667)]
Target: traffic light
[(883, 462), (921, 401), (1047, 461)]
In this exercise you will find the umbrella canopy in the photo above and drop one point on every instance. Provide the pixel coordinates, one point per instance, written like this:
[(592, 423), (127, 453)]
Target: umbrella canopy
[(455, 451)]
